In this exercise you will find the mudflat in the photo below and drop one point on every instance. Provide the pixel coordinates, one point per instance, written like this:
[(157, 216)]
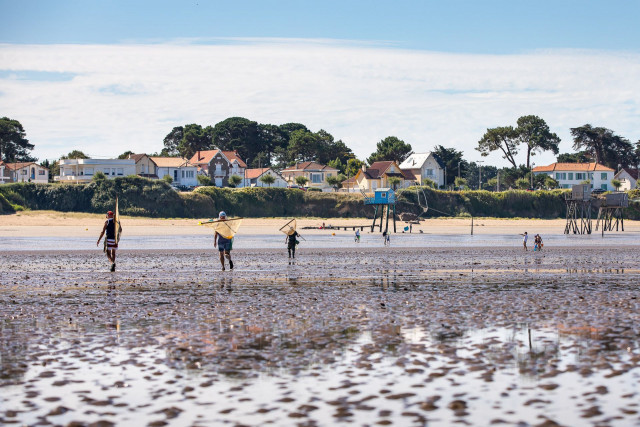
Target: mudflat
[(366, 335)]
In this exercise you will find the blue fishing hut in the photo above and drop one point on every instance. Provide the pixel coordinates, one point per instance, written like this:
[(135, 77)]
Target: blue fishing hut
[(383, 200)]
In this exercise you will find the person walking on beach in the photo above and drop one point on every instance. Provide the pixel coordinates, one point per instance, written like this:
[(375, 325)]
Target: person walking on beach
[(291, 241), (524, 240), (224, 244), (537, 241), (357, 237), (110, 239), (387, 238)]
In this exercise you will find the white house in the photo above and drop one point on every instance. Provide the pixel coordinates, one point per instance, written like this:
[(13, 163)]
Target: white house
[(252, 178), (425, 165), (82, 170), (628, 178), (24, 172), (4, 173), (180, 170), (315, 173), (570, 174)]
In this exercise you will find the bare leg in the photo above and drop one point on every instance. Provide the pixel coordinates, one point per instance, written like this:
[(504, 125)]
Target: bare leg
[(222, 259), (228, 255)]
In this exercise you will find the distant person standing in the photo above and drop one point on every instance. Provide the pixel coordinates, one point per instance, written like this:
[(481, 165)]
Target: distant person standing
[(537, 241), (386, 238), (524, 240), (224, 244), (357, 237), (291, 241), (110, 240)]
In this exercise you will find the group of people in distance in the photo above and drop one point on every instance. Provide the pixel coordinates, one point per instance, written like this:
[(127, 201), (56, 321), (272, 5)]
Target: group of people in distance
[(224, 245), (537, 242)]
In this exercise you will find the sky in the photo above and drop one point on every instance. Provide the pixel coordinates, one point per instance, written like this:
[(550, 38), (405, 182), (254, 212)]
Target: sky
[(105, 77)]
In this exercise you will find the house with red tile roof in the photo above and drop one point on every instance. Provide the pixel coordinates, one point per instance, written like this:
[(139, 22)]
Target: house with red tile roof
[(253, 176), (570, 174), (25, 172), (219, 165), (377, 176), (316, 174), (628, 177)]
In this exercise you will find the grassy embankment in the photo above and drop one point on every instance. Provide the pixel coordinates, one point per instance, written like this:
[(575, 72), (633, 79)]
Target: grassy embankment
[(143, 197)]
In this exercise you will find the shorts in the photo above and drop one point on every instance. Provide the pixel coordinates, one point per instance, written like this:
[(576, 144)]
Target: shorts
[(224, 245), (111, 245)]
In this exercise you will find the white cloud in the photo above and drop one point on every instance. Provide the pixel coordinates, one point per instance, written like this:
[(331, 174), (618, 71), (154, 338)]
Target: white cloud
[(125, 97)]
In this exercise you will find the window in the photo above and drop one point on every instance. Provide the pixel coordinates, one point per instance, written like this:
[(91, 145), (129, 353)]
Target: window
[(604, 187), (590, 175), (603, 175), (183, 174), (24, 171), (316, 178), (113, 172), (120, 171), (580, 176), (41, 172), (571, 176), (429, 172), (88, 171)]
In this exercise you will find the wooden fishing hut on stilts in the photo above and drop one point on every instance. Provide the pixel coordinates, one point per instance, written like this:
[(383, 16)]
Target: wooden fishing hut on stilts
[(383, 200), (578, 210)]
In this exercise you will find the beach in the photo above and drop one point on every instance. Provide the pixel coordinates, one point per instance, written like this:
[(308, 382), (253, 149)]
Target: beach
[(436, 329)]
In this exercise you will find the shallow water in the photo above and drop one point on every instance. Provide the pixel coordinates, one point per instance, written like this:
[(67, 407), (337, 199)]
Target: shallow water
[(341, 239), (408, 336)]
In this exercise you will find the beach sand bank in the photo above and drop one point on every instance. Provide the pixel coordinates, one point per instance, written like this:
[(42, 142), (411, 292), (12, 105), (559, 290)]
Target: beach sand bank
[(53, 224)]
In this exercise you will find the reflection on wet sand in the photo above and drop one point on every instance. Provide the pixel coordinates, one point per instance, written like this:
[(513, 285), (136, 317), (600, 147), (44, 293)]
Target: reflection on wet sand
[(395, 336)]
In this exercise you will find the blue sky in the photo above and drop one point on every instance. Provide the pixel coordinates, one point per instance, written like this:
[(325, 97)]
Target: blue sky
[(106, 76), (446, 26)]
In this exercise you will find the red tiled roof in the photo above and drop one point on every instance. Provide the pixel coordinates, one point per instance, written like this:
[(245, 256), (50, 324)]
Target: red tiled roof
[(205, 156), (18, 165), (587, 167), (408, 175), (310, 166), (170, 162), (255, 173)]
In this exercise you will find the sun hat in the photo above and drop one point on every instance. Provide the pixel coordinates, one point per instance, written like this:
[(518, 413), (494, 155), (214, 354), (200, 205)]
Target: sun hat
[(221, 214)]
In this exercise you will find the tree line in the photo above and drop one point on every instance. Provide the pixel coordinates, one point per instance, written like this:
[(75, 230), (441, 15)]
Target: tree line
[(279, 146)]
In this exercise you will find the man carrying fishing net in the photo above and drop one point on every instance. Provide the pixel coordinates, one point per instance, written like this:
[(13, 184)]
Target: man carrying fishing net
[(224, 244)]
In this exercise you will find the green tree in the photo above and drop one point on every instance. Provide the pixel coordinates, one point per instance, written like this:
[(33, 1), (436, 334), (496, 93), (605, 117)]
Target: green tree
[(522, 183), (238, 133), (451, 159), (550, 183), (303, 146), (493, 184), (616, 184), (335, 181), (353, 167), (604, 147), (204, 180), (460, 182), (267, 179), (535, 134), (14, 146), (580, 157), (302, 180), (167, 179), (428, 182), (172, 141), (504, 139), (390, 149), (394, 181), (98, 176), (234, 180)]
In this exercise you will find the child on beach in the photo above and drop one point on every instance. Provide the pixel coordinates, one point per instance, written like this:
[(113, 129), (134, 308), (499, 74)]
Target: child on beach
[(224, 244), (524, 240), (357, 237), (537, 241)]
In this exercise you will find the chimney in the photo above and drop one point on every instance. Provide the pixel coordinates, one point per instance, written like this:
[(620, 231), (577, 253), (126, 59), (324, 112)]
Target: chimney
[(198, 153)]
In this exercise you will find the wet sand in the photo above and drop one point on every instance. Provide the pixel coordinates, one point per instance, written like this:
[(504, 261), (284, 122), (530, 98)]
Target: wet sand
[(366, 336)]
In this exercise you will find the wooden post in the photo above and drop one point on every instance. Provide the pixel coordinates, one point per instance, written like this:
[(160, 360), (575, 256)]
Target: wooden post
[(472, 225), (375, 214), (386, 227), (394, 219)]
